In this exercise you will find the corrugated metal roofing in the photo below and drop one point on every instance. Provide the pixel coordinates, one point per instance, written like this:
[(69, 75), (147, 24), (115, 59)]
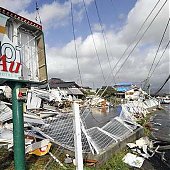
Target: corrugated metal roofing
[(63, 84), (74, 91)]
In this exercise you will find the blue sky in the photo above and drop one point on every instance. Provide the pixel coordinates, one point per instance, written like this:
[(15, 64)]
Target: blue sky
[(121, 20), (112, 12)]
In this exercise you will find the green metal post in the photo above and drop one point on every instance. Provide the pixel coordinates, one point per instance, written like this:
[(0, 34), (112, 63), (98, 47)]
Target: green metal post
[(18, 129)]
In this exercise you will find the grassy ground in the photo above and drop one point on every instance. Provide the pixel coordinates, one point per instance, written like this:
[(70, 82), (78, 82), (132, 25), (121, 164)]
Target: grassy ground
[(145, 123), (6, 158), (116, 163), (38, 163)]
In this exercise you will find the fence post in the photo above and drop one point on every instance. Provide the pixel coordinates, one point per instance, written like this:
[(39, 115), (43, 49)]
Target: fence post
[(77, 137)]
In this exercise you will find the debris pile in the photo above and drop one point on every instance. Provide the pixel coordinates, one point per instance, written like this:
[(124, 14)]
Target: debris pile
[(135, 110), (48, 119)]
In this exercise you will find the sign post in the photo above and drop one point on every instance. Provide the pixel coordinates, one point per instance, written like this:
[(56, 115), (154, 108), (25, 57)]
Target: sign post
[(22, 60), (18, 128)]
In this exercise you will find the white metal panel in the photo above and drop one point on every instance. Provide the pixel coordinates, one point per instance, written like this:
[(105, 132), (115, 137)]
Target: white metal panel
[(30, 56), (117, 129), (100, 139)]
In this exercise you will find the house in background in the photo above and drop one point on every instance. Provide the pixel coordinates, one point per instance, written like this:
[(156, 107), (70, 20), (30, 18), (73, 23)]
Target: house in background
[(121, 88), (135, 93), (129, 91), (66, 88)]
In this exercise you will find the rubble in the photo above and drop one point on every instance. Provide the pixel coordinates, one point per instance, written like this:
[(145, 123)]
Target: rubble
[(48, 118), (133, 160)]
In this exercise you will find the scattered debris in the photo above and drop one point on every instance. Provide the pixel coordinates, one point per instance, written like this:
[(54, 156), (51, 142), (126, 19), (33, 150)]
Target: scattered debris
[(133, 160), (57, 160), (39, 148), (90, 163), (48, 118), (68, 159)]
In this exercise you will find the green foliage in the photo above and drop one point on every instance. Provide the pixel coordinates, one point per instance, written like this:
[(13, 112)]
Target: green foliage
[(145, 123), (116, 163), (108, 93)]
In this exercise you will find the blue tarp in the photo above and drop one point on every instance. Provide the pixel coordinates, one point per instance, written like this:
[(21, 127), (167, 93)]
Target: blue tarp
[(123, 87), (123, 84)]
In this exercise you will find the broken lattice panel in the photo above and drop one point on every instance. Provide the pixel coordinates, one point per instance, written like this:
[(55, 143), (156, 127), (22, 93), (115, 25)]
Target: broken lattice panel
[(100, 139), (117, 129), (60, 128)]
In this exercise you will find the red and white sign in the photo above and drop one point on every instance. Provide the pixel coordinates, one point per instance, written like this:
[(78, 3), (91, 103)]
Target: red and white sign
[(22, 50), (10, 59)]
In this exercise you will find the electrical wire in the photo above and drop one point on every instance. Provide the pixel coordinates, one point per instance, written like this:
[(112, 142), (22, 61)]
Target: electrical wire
[(146, 19), (130, 52), (163, 85), (75, 46), (137, 43), (158, 47), (159, 60), (104, 37), (88, 20), (140, 38), (134, 39)]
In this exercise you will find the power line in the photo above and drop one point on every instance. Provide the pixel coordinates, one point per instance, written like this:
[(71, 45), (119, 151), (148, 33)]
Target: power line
[(163, 85), (104, 37), (75, 46), (158, 47), (147, 80), (159, 60), (137, 43), (136, 34), (140, 38), (148, 76), (88, 20)]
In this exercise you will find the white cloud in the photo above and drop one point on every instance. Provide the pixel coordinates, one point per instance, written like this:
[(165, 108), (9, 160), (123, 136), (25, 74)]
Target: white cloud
[(136, 67), (97, 27), (57, 14), (137, 16), (62, 61), (121, 16), (15, 5), (52, 14)]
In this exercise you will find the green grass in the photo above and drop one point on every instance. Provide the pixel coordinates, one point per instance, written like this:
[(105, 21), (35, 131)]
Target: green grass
[(6, 159), (115, 162), (38, 163), (146, 125)]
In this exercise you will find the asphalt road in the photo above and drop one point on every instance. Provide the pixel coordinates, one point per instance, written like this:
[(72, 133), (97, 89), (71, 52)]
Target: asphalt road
[(161, 134)]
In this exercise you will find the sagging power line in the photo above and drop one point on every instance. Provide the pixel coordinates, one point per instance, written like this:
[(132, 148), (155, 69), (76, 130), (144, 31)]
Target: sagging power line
[(75, 45), (163, 85)]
